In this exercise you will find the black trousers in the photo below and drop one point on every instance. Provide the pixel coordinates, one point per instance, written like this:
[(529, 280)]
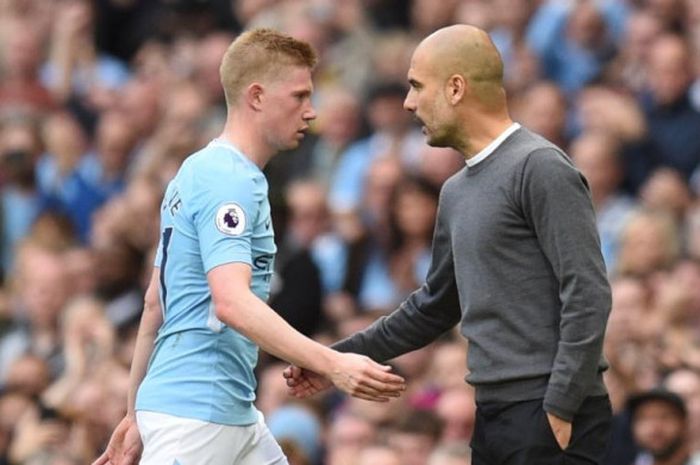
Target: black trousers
[(518, 433)]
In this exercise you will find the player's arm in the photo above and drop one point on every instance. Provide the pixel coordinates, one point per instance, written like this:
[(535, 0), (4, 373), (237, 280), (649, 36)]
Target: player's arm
[(238, 307), (125, 446), (151, 321)]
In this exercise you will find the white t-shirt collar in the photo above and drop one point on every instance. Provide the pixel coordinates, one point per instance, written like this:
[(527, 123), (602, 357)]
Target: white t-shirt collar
[(489, 149)]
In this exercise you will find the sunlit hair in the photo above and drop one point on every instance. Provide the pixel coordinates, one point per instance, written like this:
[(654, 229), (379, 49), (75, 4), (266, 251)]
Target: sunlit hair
[(259, 55)]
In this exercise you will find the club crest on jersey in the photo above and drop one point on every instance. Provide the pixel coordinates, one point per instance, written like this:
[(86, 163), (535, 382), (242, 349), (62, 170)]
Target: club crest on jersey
[(230, 219)]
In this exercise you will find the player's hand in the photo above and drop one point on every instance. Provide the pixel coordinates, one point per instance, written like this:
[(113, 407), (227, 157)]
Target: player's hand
[(362, 377), (561, 429), (124, 446), (304, 383)]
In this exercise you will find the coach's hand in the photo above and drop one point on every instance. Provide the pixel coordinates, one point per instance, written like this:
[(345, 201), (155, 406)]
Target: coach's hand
[(362, 377), (561, 429), (124, 446)]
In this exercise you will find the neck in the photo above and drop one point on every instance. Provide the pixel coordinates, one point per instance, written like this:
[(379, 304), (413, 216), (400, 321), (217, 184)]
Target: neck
[(246, 137), (480, 132)]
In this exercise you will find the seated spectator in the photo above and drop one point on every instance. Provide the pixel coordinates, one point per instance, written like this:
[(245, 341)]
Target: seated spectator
[(542, 108), (318, 155), (666, 190), (105, 167), (76, 68), (414, 435), (686, 383), (601, 108), (629, 67), (670, 116), (649, 242), (456, 407), (348, 434), (577, 42), (596, 154), (393, 135), (297, 296), (630, 342), (660, 428), (20, 202), (63, 186), (21, 46)]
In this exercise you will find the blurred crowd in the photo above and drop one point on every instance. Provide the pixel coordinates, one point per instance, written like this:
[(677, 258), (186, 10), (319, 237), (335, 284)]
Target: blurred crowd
[(101, 100)]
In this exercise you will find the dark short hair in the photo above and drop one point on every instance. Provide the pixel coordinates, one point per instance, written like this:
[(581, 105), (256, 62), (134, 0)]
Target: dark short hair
[(659, 395), (386, 89)]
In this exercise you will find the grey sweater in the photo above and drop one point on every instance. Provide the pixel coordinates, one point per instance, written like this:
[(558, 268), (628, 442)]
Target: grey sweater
[(516, 258)]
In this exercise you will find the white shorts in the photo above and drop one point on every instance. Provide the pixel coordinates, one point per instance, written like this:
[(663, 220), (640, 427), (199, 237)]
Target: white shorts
[(170, 440)]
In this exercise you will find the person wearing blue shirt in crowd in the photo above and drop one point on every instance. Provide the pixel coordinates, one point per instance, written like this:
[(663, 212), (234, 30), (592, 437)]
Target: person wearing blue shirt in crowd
[(192, 382)]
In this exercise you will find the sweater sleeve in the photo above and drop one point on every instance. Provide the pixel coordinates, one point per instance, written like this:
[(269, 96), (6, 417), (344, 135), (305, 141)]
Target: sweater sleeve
[(426, 314), (557, 203)]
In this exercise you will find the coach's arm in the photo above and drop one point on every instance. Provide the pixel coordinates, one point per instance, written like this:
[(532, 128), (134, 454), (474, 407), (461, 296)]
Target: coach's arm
[(239, 308)]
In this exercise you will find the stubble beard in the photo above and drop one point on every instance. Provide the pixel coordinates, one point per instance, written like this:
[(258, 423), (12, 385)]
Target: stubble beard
[(669, 451)]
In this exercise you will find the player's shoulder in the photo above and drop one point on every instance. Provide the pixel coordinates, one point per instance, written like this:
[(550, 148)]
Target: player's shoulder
[(217, 165)]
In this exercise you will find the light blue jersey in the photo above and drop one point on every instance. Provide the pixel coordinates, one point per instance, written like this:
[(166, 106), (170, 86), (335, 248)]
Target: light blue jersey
[(215, 211)]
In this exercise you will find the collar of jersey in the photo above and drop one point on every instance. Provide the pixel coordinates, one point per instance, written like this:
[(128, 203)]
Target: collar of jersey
[(223, 143), (489, 149)]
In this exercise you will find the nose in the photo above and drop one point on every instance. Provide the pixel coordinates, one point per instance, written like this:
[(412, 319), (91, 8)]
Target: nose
[(409, 103), (310, 114)]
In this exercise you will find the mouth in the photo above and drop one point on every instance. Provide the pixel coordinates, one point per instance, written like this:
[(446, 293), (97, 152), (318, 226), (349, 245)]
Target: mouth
[(302, 132), (421, 124)]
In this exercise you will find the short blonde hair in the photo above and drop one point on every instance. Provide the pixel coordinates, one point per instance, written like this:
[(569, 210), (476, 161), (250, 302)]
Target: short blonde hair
[(260, 54)]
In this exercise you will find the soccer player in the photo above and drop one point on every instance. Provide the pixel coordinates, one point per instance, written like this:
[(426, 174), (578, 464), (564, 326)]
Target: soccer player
[(192, 381), (516, 259)]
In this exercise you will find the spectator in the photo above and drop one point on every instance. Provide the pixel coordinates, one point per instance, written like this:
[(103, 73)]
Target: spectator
[(670, 115), (577, 44), (649, 242), (659, 425), (392, 135), (542, 108), (596, 154), (20, 87), (456, 408), (20, 202), (299, 291), (686, 383), (348, 434), (414, 435)]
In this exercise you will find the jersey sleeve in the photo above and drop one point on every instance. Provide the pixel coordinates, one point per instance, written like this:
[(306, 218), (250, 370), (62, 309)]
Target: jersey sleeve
[(224, 217)]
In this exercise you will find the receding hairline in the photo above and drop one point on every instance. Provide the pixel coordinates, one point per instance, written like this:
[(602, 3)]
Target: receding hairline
[(464, 50)]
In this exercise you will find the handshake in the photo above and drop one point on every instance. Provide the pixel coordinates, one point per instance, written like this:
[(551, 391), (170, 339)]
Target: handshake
[(353, 374)]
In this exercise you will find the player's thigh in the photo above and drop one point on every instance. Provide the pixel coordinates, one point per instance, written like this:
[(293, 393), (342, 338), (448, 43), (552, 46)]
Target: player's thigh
[(170, 440), (263, 448)]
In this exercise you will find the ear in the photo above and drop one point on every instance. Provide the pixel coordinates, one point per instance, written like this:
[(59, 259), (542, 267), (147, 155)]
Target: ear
[(456, 88), (254, 95)]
